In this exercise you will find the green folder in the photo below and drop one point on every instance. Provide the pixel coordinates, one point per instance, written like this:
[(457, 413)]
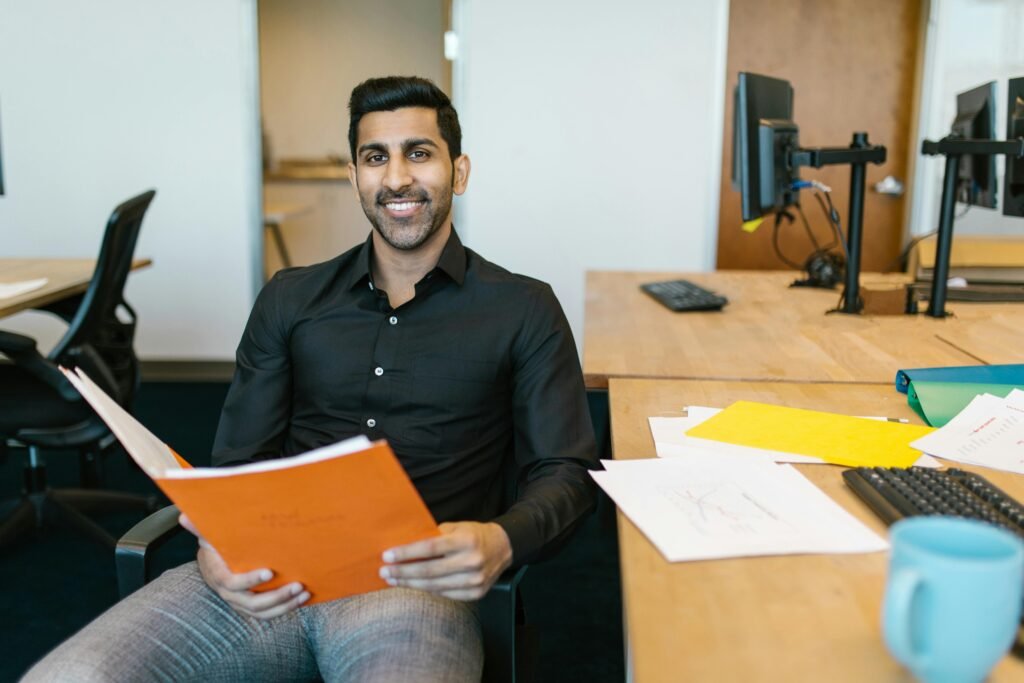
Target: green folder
[(938, 402)]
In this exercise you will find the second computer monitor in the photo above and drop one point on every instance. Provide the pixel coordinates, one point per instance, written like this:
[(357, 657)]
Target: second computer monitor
[(1013, 186), (762, 126), (976, 120)]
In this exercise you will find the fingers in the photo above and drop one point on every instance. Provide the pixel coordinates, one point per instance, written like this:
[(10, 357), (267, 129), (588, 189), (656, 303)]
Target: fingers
[(185, 522), (236, 589), (468, 561), (269, 604), (431, 547)]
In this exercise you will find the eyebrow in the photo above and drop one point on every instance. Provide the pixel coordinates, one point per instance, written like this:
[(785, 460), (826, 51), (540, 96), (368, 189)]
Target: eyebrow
[(406, 145)]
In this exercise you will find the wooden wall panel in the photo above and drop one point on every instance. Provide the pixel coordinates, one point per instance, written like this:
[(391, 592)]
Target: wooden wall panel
[(852, 65)]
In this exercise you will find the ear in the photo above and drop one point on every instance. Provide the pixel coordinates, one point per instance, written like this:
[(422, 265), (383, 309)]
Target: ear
[(353, 177), (460, 174)]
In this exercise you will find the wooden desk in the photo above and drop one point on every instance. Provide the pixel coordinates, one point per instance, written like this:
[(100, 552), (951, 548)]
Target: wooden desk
[(797, 618), (276, 214), (67, 277), (767, 332)]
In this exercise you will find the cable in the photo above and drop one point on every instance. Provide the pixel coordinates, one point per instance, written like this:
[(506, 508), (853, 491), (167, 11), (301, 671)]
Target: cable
[(901, 260), (833, 218), (810, 234), (775, 240)]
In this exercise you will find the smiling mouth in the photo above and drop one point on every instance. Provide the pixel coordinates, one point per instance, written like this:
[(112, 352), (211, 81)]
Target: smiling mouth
[(403, 206)]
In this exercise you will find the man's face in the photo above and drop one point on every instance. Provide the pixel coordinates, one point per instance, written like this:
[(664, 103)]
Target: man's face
[(405, 176)]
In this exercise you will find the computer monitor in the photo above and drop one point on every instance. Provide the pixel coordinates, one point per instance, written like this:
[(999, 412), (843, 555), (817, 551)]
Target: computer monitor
[(976, 120), (763, 129), (1013, 182)]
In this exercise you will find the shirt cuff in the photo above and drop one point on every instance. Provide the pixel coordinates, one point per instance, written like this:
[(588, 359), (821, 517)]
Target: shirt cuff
[(522, 535)]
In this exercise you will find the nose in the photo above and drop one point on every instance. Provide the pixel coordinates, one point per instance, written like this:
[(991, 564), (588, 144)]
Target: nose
[(397, 174)]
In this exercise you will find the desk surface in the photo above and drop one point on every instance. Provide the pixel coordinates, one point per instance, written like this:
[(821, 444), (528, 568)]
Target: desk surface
[(67, 277), (768, 331), (797, 618)]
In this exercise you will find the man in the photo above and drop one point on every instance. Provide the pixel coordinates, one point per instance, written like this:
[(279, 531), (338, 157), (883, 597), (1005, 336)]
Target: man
[(470, 373)]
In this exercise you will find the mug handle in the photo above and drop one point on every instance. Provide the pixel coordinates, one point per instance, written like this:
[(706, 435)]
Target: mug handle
[(903, 587)]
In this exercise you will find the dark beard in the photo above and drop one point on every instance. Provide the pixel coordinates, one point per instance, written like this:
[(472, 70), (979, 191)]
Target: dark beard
[(389, 229)]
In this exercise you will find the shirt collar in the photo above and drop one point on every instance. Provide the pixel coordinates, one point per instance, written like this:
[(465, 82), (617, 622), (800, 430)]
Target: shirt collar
[(452, 261)]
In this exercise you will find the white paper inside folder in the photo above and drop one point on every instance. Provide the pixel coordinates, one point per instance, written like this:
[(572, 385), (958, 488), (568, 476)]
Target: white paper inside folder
[(149, 452)]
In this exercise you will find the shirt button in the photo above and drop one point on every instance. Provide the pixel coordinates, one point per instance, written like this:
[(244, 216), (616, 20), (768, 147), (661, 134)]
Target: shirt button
[(393, 320), (378, 371), (371, 423)]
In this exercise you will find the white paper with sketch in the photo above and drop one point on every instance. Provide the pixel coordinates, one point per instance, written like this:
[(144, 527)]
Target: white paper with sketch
[(671, 441), (988, 432), (9, 290), (713, 506)]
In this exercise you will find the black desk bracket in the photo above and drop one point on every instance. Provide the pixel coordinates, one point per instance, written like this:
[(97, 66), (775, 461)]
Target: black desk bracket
[(953, 149), (858, 155)]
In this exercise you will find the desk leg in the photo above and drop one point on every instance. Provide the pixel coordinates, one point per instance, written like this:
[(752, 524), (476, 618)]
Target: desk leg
[(275, 231)]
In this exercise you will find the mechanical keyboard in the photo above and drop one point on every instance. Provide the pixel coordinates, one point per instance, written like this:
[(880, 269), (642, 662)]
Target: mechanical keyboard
[(894, 492), (683, 295)]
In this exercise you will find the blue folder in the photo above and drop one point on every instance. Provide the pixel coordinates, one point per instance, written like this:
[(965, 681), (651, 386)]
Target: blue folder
[(978, 374)]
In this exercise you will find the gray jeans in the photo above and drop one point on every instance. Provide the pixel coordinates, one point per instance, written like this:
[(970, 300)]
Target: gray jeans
[(177, 629)]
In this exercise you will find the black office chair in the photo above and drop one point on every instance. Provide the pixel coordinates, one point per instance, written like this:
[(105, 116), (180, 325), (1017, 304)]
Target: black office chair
[(39, 409), (508, 640)]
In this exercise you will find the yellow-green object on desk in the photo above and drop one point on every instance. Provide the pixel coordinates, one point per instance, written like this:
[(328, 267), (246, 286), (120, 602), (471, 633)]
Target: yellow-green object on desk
[(837, 439), (939, 402)]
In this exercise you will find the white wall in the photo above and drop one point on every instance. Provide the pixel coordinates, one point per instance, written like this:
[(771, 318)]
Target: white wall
[(313, 52), (595, 132), (968, 43), (103, 100)]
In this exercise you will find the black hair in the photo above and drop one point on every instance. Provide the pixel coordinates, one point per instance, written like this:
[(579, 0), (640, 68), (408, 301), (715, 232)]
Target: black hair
[(395, 92)]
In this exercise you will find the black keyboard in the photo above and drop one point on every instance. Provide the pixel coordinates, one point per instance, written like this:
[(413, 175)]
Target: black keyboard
[(894, 492), (683, 295)]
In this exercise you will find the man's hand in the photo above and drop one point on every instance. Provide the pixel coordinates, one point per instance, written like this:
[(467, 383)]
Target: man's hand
[(462, 563), (235, 589)]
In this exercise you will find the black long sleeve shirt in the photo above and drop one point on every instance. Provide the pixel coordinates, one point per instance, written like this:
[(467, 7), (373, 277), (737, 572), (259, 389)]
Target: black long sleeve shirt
[(475, 383)]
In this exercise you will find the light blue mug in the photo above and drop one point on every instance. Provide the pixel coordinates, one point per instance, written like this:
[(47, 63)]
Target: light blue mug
[(953, 597)]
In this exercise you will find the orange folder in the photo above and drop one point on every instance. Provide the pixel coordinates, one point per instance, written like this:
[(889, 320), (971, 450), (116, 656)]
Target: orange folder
[(322, 519), (323, 524)]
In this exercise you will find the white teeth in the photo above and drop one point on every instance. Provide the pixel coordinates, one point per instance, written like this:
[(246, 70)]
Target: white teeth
[(401, 206)]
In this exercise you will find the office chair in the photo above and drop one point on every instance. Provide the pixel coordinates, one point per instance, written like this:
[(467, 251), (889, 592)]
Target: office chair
[(508, 645), (43, 410)]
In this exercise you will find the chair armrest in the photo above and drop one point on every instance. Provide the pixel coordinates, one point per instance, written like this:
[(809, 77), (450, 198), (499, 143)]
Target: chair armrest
[(501, 618), (135, 549), (22, 350)]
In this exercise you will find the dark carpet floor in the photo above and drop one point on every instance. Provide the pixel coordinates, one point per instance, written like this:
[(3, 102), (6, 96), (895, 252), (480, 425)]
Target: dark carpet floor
[(53, 584)]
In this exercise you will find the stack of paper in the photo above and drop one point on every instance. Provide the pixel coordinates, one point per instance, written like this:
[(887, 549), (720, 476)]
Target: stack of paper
[(988, 432), (9, 290), (828, 437), (671, 440), (713, 506)]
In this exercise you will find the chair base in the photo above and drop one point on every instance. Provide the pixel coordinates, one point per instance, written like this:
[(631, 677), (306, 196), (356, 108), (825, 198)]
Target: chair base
[(67, 508)]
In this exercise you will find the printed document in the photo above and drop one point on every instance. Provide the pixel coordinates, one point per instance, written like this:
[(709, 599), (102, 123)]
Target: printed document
[(711, 506), (988, 432)]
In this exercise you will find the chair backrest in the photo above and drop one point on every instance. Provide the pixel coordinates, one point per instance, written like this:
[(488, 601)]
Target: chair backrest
[(97, 336)]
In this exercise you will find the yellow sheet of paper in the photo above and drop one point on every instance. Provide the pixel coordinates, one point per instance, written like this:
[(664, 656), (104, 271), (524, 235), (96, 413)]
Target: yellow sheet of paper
[(838, 439)]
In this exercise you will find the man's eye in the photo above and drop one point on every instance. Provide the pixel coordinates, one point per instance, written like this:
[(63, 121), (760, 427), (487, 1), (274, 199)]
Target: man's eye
[(376, 159), (418, 155)]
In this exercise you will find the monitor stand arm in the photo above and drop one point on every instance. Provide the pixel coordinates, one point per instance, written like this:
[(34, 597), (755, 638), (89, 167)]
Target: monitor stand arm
[(858, 155), (954, 149)]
